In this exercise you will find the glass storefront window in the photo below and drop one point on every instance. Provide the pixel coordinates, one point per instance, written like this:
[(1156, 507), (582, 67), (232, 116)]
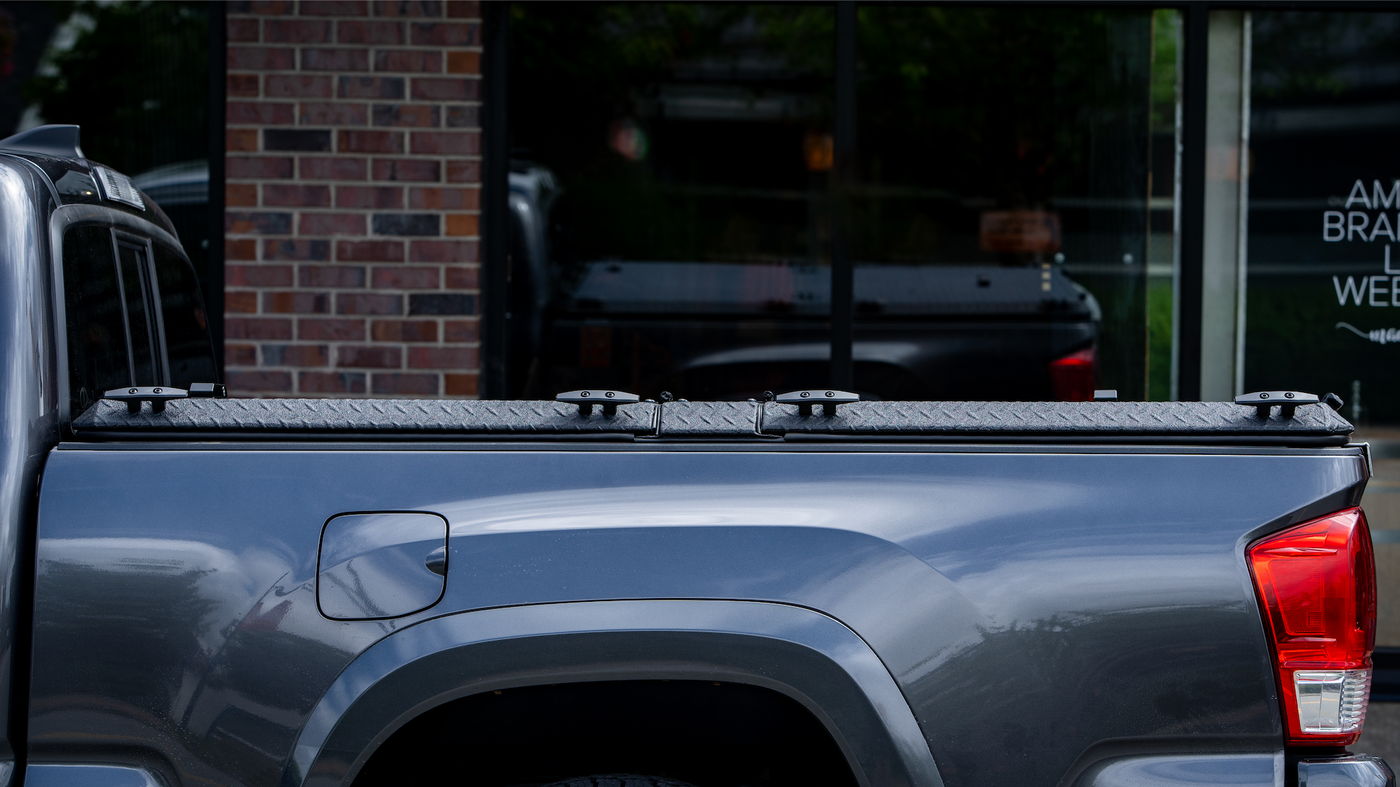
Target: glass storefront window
[(1323, 261), (688, 224), (1001, 212), (1324, 208), (997, 206)]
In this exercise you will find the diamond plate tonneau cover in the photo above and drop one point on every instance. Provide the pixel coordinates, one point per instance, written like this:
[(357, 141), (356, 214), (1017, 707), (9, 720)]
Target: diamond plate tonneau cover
[(969, 420), (709, 419), (421, 416), (1185, 419)]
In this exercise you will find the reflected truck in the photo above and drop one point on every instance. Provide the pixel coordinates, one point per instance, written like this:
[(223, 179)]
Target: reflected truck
[(732, 330)]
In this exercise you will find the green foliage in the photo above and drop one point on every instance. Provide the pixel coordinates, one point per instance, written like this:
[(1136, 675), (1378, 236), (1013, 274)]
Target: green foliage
[(1009, 103), (1302, 55), (803, 35), (1166, 37), (1159, 339), (136, 80)]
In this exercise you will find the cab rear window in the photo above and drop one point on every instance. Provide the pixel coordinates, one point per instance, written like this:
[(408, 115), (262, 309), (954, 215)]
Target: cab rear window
[(133, 316), (98, 359)]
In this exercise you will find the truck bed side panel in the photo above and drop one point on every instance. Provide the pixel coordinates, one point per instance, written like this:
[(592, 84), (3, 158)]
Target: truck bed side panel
[(1028, 605)]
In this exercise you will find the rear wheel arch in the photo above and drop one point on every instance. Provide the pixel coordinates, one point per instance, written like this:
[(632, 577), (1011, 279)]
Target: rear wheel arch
[(807, 657), (656, 733)]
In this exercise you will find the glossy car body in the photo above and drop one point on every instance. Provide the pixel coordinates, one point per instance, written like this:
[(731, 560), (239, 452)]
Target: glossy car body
[(1029, 606)]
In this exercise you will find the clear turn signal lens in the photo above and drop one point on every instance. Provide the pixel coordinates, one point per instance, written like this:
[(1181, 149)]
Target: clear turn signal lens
[(1332, 701), (1317, 589)]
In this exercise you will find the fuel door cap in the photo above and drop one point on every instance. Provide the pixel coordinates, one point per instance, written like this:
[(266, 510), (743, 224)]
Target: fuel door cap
[(381, 565)]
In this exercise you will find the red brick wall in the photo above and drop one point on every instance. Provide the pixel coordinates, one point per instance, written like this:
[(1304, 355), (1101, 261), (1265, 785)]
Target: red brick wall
[(353, 190)]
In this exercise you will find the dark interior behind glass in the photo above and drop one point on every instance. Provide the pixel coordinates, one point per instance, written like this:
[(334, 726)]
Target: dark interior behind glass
[(96, 329), (140, 324), (681, 235), (108, 300)]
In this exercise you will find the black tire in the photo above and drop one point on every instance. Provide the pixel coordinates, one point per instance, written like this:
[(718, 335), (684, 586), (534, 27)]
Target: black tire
[(619, 780)]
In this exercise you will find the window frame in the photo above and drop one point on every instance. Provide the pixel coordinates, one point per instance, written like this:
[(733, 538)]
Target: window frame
[(150, 297)]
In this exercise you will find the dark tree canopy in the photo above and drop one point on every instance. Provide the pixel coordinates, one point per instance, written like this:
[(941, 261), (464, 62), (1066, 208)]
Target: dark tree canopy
[(136, 80)]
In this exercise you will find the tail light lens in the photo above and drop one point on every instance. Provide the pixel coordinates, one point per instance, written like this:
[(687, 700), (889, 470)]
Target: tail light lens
[(1072, 377), (1317, 586)]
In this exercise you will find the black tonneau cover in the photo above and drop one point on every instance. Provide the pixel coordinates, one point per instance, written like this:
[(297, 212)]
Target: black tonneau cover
[(1137, 422)]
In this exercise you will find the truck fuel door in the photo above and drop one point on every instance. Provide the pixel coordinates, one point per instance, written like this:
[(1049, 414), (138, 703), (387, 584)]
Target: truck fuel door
[(381, 565)]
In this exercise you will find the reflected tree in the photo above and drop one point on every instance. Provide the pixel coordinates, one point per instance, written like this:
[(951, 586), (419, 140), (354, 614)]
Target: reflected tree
[(136, 79)]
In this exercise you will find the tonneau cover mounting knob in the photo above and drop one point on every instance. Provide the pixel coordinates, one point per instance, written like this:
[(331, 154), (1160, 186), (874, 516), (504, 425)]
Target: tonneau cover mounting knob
[(157, 395), (608, 400), (828, 399), (1287, 401)]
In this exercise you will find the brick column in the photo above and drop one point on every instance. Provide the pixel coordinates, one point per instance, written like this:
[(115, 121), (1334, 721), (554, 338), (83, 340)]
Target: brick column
[(353, 189)]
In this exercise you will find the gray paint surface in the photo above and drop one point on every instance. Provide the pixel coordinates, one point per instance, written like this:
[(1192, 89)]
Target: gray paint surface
[(1027, 605), (375, 565), (28, 406)]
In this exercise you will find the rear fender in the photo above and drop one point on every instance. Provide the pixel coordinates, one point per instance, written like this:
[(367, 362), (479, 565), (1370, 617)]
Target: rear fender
[(800, 653)]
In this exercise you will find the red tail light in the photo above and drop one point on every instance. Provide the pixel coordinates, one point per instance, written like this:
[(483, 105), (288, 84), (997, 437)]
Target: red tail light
[(1317, 588), (1072, 377)]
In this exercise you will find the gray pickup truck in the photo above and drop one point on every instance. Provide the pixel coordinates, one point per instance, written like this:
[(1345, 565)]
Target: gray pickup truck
[(807, 591)]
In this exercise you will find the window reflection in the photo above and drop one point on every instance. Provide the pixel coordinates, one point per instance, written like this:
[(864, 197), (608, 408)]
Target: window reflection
[(1325, 99), (680, 234), (1011, 140), (189, 352), (691, 219)]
